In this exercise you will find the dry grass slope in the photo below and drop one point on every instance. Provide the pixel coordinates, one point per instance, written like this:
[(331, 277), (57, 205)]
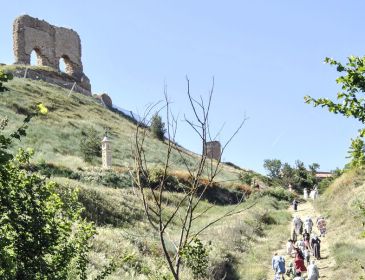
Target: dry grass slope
[(339, 205)]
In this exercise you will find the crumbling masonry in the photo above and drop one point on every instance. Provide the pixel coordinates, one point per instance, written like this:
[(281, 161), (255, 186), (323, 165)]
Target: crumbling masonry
[(213, 150), (51, 43)]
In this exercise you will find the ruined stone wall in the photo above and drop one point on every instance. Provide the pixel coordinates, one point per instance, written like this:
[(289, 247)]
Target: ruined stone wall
[(213, 150), (50, 43), (105, 100)]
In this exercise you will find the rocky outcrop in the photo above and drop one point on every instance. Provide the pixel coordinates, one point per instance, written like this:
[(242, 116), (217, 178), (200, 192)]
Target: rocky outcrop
[(105, 99)]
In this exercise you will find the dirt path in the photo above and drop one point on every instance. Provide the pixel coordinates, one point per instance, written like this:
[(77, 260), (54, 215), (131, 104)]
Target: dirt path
[(327, 263)]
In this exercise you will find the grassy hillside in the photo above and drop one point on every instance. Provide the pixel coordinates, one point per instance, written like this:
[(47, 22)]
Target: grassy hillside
[(339, 204), (56, 137), (238, 246), (113, 204)]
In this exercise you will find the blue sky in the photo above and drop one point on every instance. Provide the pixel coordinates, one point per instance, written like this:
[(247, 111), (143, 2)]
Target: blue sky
[(265, 56)]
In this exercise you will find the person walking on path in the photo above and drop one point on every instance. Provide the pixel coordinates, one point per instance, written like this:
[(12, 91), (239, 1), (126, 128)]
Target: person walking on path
[(278, 265), (313, 273), (297, 228), (299, 261), (308, 224), (300, 244), (307, 256), (316, 247), (305, 193), (321, 225), (306, 238), (289, 247), (295, 204)]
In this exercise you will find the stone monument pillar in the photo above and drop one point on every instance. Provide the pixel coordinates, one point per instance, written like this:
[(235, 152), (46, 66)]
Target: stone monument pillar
[(106, 153)]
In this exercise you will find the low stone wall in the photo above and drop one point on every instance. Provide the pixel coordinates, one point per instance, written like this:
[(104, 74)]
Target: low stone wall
[(60, 79)]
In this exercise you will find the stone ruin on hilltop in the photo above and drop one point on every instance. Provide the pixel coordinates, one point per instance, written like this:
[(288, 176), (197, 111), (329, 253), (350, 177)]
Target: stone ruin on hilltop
[(51, 44), (213, 150)]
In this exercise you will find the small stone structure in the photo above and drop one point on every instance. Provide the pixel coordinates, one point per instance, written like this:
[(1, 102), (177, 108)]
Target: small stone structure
[(105, 100), (106, 150), (213, 150), (51, 43)]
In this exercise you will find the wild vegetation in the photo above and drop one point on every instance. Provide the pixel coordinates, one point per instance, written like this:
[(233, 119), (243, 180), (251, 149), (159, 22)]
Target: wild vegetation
[(342, 204), (109, 197), (90, 144), (343, 201), (239, 247), (157, 127), (351, 102), (298, 176), (43, 235)]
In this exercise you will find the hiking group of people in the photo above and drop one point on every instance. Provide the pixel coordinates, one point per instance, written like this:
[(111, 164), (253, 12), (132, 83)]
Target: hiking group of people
[(303, 245), (313, 193)]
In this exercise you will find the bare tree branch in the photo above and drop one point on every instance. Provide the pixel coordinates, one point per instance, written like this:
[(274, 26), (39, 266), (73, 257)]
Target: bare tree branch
[(153, 194)]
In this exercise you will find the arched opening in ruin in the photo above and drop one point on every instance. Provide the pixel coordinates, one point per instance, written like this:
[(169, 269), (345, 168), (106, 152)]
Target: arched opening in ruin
[(65, 65), (35, 58), (62, 65)]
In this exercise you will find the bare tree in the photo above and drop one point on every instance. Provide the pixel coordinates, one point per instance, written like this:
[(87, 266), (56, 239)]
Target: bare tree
[(185, 210)]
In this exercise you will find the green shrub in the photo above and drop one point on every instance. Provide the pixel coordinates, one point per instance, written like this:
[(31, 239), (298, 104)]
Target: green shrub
[(42, 233), (90, 144), (108, 178), (278, 192), (155, 175), (51, 170), (157, 127), (246, 177), (195, 256), (4, 77)]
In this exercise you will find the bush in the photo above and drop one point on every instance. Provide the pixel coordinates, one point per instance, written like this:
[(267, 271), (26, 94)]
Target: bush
[(278, 192), (4, 77), (90, 144), (246, 177), (224, 269), (157, 127), (42, 233), (108, 178), (51, 170), (195, 256)]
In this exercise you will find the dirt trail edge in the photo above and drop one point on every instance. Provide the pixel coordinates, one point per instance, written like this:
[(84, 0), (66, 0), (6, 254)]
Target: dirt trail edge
[(326, 264)]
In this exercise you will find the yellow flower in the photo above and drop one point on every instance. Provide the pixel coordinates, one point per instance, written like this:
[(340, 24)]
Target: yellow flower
[(42, 109)]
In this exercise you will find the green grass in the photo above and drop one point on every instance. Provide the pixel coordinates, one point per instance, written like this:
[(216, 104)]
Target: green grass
[(56, 136), (339, 205), (237, 245)]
